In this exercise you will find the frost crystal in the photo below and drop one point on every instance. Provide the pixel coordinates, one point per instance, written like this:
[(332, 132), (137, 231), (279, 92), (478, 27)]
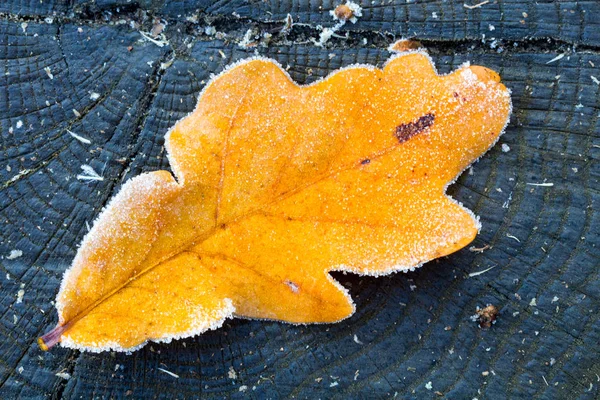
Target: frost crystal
[(49, 73), (533, 302), (247, 40), (231, 373), (64, 375), (20, 294), (168, 372), (89, 174), (80, 138), (14, 254)]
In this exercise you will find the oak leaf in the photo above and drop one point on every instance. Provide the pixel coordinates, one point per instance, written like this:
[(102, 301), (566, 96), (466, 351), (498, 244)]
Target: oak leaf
[(274, 186)]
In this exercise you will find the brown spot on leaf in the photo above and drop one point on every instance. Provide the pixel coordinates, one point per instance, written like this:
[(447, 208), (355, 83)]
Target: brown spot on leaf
[(405, 132)]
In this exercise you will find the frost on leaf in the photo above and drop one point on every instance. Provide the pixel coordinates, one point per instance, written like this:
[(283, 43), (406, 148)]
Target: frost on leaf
[(274, 186)]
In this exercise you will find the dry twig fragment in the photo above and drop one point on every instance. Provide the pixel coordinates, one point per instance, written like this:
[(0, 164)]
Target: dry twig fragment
[(479, 249), (558, 57), (483, 3), (273, 186), (80, 138), (472, 274), (545, 184)]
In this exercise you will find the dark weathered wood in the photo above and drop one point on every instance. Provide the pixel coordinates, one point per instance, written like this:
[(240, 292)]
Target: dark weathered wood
[(572, 21), (409, 336)]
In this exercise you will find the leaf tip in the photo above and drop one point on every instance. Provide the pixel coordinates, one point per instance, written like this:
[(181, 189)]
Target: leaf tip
[(50, 339), (404, 45)]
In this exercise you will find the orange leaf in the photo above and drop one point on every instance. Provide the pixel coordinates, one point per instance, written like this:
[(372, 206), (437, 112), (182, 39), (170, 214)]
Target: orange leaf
[(276, 185)]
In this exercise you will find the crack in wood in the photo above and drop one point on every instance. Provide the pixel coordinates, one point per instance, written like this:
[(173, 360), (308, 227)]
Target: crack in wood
[(236, 27)]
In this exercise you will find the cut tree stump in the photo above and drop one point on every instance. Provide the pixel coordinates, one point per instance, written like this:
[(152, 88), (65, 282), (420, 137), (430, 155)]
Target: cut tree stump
[(83, 67)]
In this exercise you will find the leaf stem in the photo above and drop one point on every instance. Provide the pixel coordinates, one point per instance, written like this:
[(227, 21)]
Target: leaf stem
[(50, 339)]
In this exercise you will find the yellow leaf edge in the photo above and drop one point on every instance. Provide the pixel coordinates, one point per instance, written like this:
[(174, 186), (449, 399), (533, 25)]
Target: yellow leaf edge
[(228, 310)]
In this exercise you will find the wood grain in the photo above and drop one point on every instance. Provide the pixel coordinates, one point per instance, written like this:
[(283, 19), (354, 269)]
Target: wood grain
[(410, 329)]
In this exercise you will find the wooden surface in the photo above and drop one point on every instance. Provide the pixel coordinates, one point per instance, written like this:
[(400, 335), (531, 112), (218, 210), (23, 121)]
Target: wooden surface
[(412, 334)]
